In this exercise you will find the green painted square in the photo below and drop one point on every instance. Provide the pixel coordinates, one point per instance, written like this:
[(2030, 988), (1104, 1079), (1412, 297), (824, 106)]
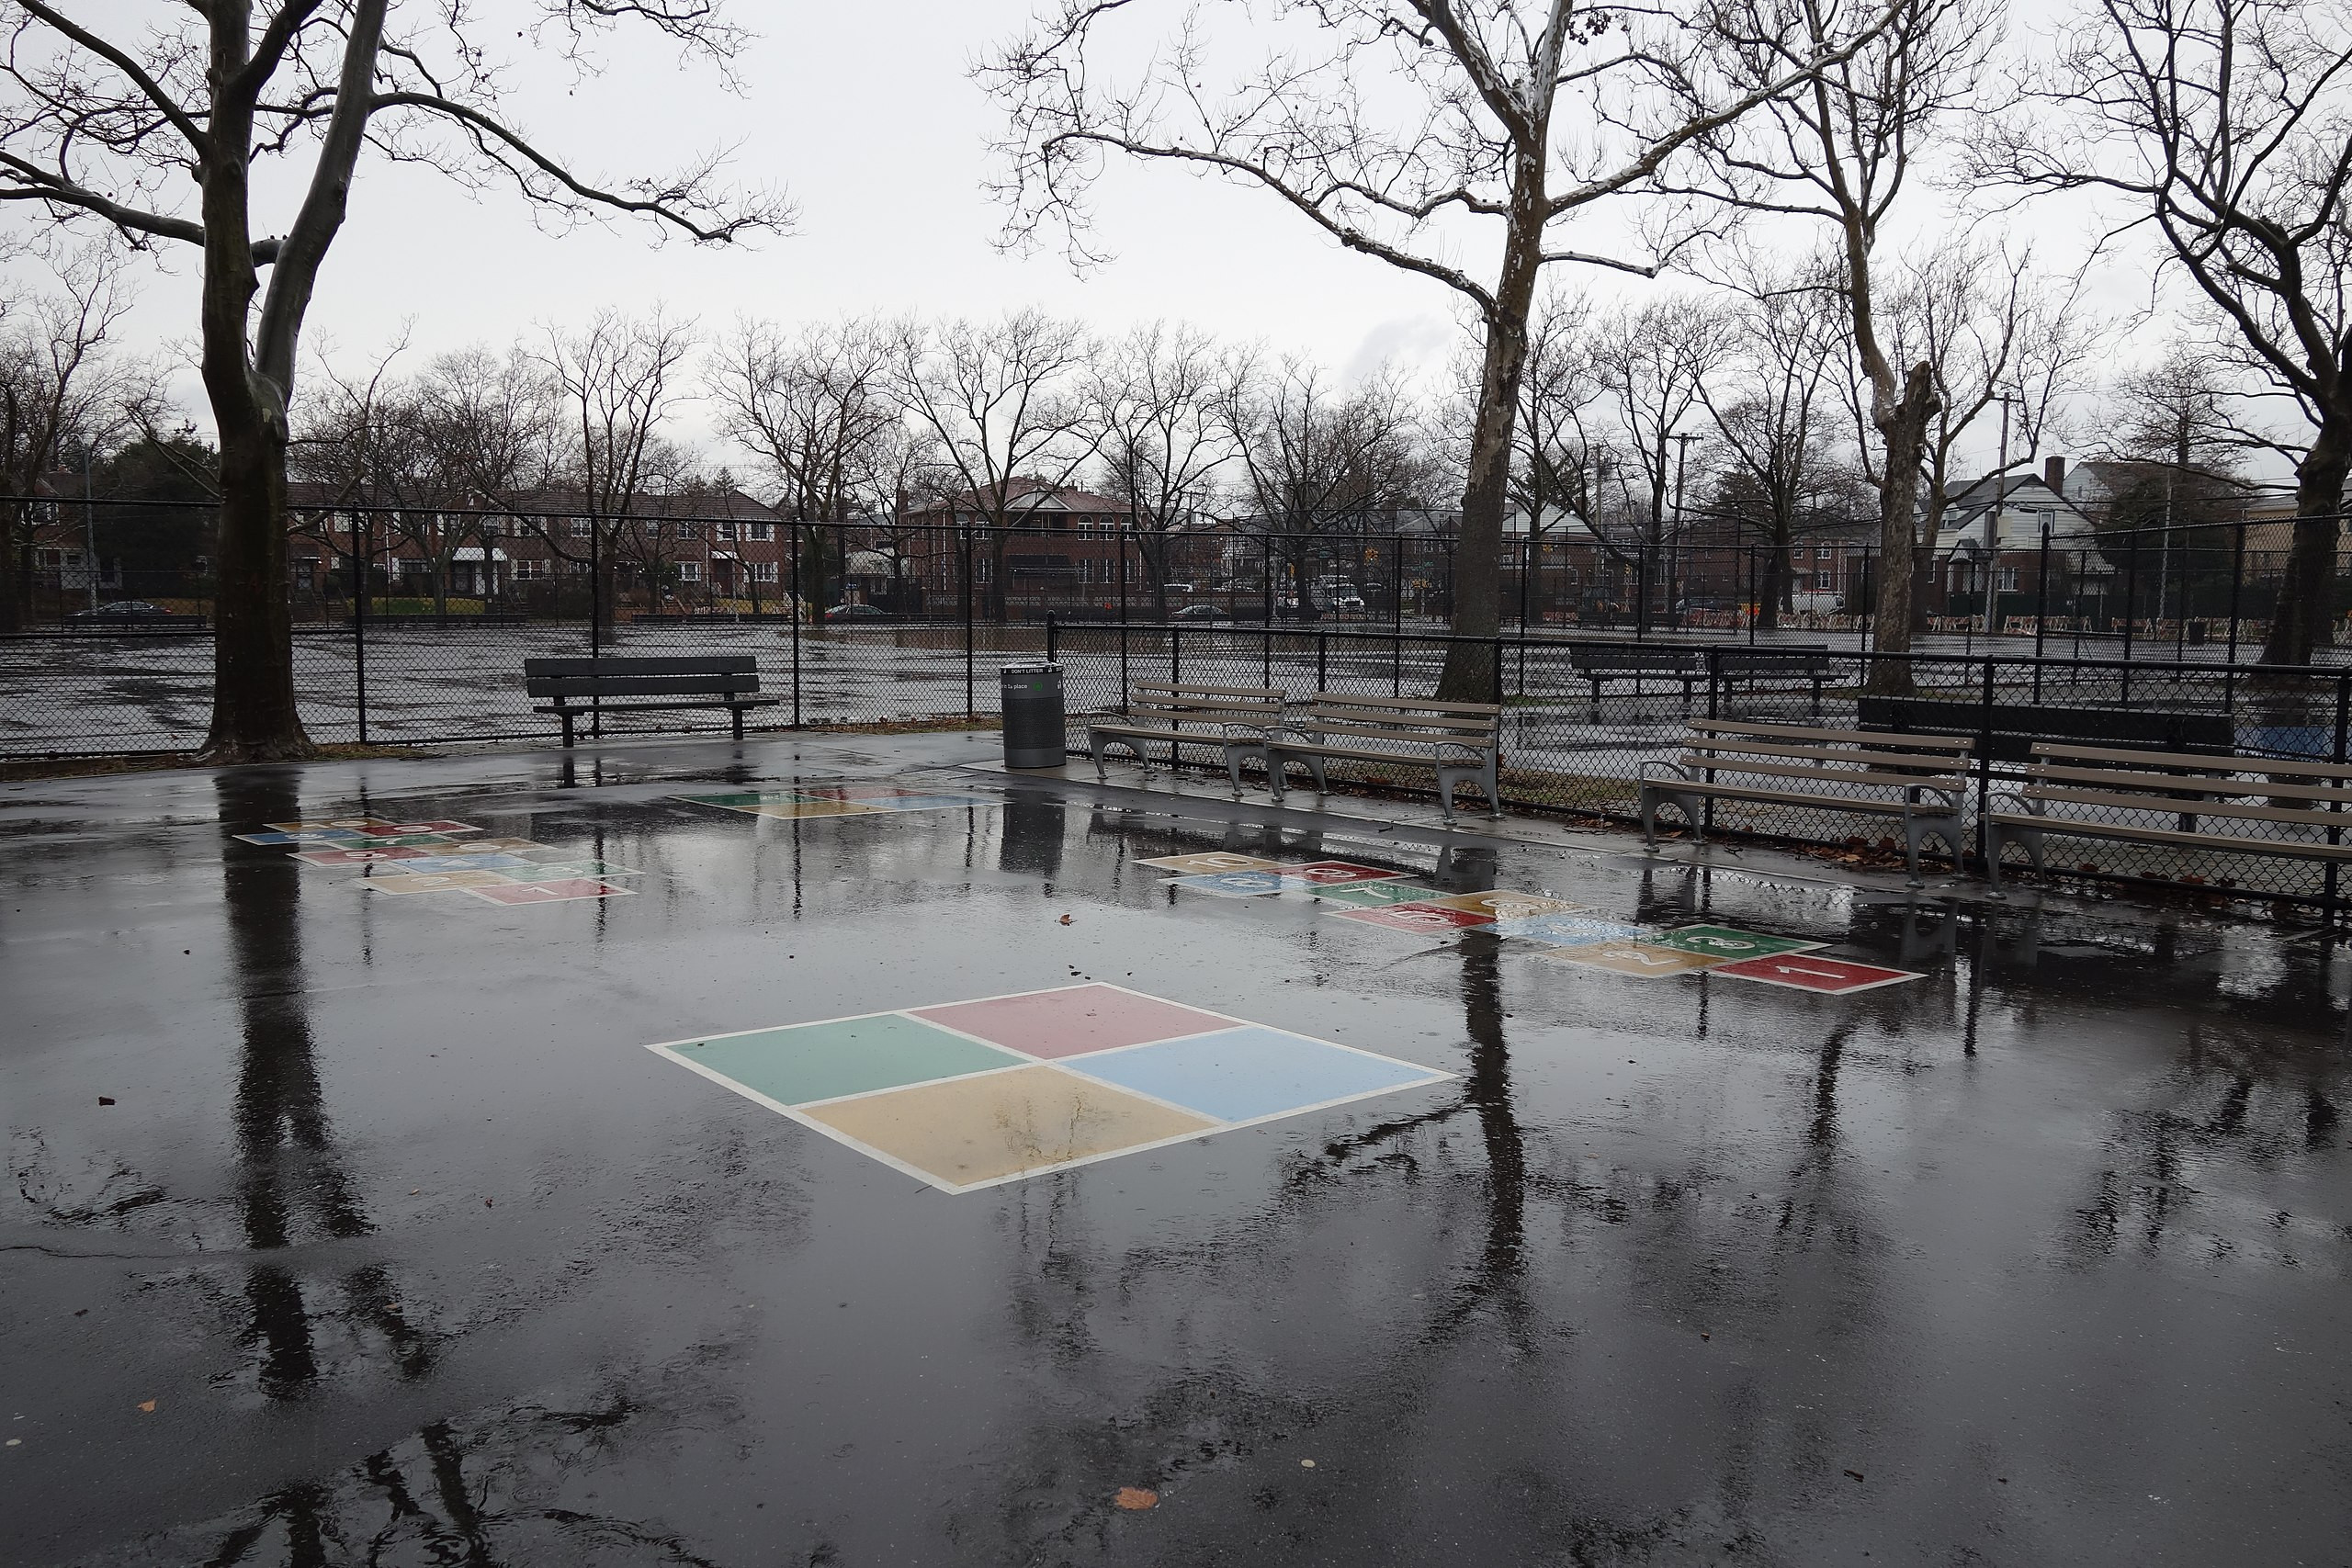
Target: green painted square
[(1727, 942), (1375, 895), (853, 1055)]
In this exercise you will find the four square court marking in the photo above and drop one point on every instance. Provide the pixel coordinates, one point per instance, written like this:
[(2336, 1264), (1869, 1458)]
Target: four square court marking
[(974, 1094)]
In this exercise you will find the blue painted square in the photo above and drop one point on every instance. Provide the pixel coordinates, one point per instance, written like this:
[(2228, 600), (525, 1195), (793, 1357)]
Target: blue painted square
[(460, 863), (1236, 884), (1568, 931), (923, 801), (1239, 1074), (308, 836)]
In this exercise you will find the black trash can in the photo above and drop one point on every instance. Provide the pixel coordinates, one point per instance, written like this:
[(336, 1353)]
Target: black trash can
[(1035, 735)]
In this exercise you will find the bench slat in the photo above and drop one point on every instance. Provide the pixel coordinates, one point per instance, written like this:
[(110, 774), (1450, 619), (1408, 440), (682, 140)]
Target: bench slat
[(1878, 806), (2170, 784), (1368, 724), (1403, 705), (645, 686), (1903, 739), (2226, 843), (1822, 753), (2218, 761), (695, 664), (1832, 776), (1191, 688), (2189, 807)]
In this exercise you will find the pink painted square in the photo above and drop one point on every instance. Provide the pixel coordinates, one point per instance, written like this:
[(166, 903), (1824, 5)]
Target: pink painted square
[(1073, 1021), (1433, 918), (550, 892), (1339, 873), (358, 857)]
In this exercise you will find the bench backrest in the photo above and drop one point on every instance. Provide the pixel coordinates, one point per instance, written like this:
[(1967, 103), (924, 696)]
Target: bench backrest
[(2170, 777), (2016, 725), (1418, 721), (1633, 655), (1179, 703), (1738, 658), (692, 676), (1837, 756)]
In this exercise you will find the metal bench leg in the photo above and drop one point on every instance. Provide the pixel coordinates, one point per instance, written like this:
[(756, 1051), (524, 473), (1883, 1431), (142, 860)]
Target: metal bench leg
[(565, 715), (1649, 803), (1314, 772), (1494, 788), (735, 711)]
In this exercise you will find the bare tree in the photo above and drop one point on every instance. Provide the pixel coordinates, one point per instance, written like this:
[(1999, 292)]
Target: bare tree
[(2225, 124), (1652, 361), (65, 388), (1841, 151), (1513, 116), (619, 379), (109, 120), (816, 409), (1787, 341), (1163, 392), (1004, 402), (1321, 464), (1561, 461)]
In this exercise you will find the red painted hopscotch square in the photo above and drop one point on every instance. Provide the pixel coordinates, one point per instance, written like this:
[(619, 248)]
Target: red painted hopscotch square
[(1337, 873), (1804, 971), (1433, 920), (1074, 1020)]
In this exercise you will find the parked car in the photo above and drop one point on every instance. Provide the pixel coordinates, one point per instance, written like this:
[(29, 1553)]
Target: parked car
[(1202, 613), (856, 612), (1347, 604), (124, 610)]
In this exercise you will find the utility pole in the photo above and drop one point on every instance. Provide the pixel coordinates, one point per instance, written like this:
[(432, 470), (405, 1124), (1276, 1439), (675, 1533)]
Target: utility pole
[(89, 532), (1673, 599), (1993, 525)]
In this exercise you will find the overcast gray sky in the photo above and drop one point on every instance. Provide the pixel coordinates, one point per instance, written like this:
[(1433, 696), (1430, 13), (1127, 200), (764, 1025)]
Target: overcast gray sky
[(867, 114)]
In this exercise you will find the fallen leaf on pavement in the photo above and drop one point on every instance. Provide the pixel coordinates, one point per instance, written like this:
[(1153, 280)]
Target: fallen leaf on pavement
[(1137, 1498), (148, 1406)]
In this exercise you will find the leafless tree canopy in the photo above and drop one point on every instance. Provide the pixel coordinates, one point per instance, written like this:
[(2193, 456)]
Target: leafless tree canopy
[(154, 125), (2225, 126), (1398, 128)]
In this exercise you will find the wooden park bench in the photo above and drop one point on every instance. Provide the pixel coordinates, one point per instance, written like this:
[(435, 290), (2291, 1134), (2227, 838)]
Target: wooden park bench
[(1186, 712), (2015, 728), (2180, 800), (578, 686), (1599, 663), (1459, 741), (1920, 779)]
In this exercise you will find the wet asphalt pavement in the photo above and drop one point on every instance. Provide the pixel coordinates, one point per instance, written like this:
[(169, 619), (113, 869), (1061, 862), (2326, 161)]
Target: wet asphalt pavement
[(420, 1258)]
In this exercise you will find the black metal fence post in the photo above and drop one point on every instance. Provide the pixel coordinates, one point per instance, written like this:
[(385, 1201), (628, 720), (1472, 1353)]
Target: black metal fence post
[(2040, 605), (2237, 585), (1175, 659), (1322, 661), (362, 538), (799, 610), (971, 699), (2131, 608), (1122, 621), (1053, 635), (1984, 767), (2335, 833)]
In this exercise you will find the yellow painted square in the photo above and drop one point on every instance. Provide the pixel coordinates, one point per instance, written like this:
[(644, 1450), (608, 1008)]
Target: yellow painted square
[(1504, 905), (967, 1131), (1640, 958), (816, 808), (1208, 862), (435, 881)]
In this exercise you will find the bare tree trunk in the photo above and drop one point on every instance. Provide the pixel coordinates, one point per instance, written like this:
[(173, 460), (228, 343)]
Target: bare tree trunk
[(2299, 623), (1903, 427), (1469, 675), (254, 718), (16, 576), (1773, 587)]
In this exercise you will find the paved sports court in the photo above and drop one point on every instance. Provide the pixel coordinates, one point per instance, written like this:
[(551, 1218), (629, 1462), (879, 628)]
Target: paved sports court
[(841, 1152)]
